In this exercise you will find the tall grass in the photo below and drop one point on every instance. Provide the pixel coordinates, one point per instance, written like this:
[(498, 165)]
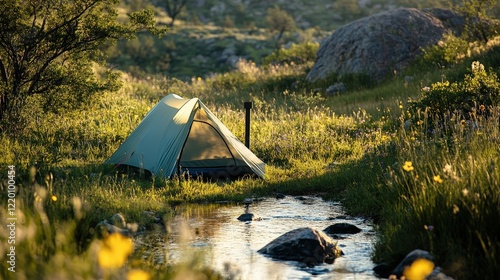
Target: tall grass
[(445, 196)]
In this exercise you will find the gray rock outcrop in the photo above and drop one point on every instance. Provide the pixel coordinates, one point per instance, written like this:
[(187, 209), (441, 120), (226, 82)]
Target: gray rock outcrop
[(380, 44), (306, 245)]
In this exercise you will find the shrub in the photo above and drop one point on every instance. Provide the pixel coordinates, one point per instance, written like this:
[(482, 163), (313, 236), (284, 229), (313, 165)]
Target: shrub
[(450, 50), (296, 53), (474, 95)]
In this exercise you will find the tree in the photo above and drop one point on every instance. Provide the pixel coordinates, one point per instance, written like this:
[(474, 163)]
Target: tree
[(173, 8), (47, 48), (279, 21), (478, 23)]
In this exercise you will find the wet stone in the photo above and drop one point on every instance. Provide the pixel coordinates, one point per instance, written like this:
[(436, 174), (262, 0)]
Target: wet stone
[(249, 217), (306, 245), (342, 228)]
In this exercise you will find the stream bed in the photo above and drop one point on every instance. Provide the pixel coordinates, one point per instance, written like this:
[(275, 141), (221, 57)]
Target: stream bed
[(213, 235)]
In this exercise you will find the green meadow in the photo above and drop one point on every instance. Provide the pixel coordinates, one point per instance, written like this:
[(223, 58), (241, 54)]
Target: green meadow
[(419, 158)]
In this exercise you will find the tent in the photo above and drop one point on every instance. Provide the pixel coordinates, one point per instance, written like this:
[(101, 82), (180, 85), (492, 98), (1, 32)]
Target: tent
[(180, 136)]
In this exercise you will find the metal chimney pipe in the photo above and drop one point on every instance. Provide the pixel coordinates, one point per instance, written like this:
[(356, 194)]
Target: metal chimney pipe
[(248, 106)]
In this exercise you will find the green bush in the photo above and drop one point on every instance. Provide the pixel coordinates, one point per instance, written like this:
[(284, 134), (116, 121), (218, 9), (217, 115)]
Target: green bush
[(476, 94), (296, 53), (450, 50)]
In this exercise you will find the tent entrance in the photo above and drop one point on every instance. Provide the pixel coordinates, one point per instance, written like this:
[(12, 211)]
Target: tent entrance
[(205, 149)]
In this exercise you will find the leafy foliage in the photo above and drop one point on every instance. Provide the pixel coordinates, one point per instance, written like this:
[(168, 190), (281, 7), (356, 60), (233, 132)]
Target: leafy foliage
[(480, 24), (296, 53), (478, 92), (449, 51), (46, 49), (279, 21)]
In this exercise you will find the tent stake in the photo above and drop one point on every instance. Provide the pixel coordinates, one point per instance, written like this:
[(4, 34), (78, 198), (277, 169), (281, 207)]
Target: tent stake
[(248, 106)]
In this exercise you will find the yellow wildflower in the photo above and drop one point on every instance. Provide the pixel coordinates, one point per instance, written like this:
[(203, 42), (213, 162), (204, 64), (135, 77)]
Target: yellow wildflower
[(419, 269), (137, 274), (54, 198), (482, 108), (115, 251), (408, 166), (455, 209), (437, 179)]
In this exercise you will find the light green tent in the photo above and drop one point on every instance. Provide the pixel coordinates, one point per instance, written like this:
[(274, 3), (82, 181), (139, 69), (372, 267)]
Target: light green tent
[(182, 135)]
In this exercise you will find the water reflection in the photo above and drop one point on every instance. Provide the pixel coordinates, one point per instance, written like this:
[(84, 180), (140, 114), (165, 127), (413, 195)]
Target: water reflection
[(230, 246)]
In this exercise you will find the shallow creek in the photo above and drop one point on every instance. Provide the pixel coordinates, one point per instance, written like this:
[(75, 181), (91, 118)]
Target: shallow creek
[(214, 235)]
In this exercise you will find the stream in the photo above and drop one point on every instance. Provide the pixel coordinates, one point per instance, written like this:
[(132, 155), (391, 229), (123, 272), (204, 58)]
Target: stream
[(213, 235)]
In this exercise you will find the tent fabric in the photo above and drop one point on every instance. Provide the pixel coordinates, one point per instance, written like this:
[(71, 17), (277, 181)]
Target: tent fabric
[(182, 135)]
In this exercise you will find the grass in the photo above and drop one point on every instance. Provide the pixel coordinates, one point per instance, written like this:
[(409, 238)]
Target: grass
[(447, 202), (351, 148)]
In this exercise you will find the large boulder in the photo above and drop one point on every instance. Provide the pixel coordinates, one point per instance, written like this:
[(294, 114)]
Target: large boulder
[(380, 44), (306, 245)]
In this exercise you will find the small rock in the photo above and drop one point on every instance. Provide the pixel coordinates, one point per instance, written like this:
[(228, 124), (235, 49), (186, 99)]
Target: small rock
[(116, 224), (336, 89), (280, 196), (246, 217), (410, 258), (247, 201), (306, 200), (382, 270), (342, 228), (436, 274), (104, 229), (118, 220)]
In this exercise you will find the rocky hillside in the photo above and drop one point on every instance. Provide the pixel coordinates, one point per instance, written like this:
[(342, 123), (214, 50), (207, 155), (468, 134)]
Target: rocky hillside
[(210, 36), (324, 14)]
